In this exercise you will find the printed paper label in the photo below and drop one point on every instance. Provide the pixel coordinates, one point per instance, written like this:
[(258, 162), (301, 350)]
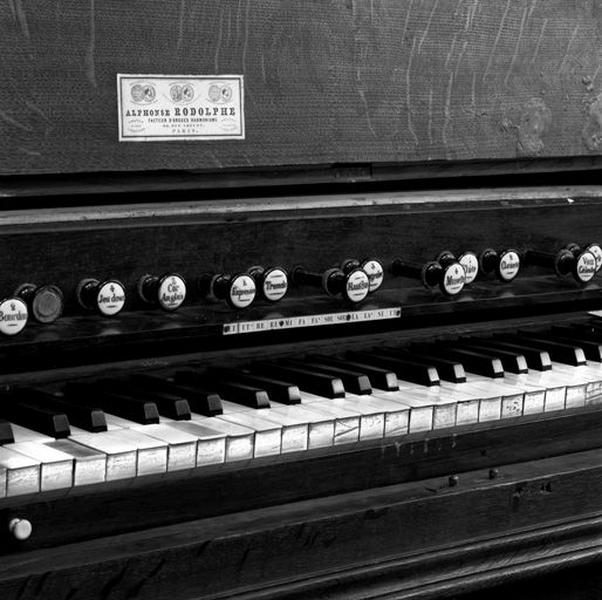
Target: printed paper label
[(159, 108)]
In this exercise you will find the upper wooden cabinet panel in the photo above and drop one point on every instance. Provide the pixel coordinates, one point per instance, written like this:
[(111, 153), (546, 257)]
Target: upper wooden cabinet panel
[(326, 81)]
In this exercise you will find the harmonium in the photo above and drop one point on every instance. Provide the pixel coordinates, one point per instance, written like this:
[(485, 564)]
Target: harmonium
[(300, 299)]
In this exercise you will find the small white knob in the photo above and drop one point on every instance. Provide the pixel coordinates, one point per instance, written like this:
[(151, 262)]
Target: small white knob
[(20, 529)]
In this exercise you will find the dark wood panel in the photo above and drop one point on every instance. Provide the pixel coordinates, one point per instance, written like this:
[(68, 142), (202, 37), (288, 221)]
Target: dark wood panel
[(404, 541), (107, 509), (326, 82)]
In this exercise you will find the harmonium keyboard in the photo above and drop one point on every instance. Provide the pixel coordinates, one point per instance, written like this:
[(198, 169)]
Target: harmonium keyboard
[(300, 299)]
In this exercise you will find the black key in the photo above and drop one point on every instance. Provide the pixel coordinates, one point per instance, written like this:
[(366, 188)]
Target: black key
[(513, 362), (114, 402), (169, 404), (355, 383), (308, 380), (536, 358), (592, 349), (6, 432), (43, 420), (381, 379), (278, 391), (200, 401), (88, 418), (563, 353), (585, 331), (405, 369), (449, 370), (239, 393), (472, 360)]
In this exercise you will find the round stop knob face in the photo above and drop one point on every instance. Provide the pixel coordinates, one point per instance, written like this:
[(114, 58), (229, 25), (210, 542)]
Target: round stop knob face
[(171, 292), (357, 286), (242, 291), (275, 284), (585, 268), (470, 264), (453, 280), (20, 529), (375, 272), (509, 265), (596, 250), (110, 298), (13, 316), (47, 304)]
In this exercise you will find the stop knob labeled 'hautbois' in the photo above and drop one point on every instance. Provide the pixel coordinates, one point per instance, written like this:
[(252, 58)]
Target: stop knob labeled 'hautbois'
[(272, 283), (167, 291), (505, 264), (238, 291), (45, 302), (353, 286), (13, 316), (105, 297), (372, 267)]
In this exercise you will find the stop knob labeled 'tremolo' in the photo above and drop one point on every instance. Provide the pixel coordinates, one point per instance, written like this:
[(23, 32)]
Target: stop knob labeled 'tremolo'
[(272, 283), (505, 264), (13, 315), (468, 260), (450, 278), (105, 297), (45, 302), (167, 291), (372, 267), (570, 260), (353, 286), (238, 291)]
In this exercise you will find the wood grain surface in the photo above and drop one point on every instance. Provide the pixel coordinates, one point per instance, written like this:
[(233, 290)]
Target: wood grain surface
[(334, 81)]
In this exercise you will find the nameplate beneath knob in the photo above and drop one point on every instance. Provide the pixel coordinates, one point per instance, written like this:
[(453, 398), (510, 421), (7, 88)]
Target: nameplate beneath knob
[(340, 318)]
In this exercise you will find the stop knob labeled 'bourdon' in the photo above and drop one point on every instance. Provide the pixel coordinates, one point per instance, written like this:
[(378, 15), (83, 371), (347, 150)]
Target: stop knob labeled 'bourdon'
[(372, 267), (105, 297), (468, 261), (450, 278), (13, 315), (505, 264), (570, 260), (238, 291), (272, 283), (167, 291), (353, 286), (45, 302)]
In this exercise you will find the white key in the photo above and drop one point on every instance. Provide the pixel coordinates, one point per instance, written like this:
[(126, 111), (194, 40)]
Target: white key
[(20, 473), (346, 420), (420, 400), (240, 440), (294, 423), (56, 467), (181, 445), (211, 444), (23, 434), (151, 452), (90, 466), (553, 387), (268, 435), (121, 455), (396, 414), (512, 397)]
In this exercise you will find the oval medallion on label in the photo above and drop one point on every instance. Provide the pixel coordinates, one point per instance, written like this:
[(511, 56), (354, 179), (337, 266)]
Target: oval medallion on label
[(585, 267), (242, 291), (167, 291), (238, 291), (453, 279), (272, 284), (470, 264), (13, 316), (357, 286), (509, 265)]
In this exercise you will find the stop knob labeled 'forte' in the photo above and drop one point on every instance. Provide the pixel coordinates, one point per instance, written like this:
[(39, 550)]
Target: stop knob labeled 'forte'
[(105, 297), (272, 283), (450, 278), (505, 264), (570, 260), (45, 302), (13, 316), (167, 291), (353, 286), (372, 267), (238, 291)]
